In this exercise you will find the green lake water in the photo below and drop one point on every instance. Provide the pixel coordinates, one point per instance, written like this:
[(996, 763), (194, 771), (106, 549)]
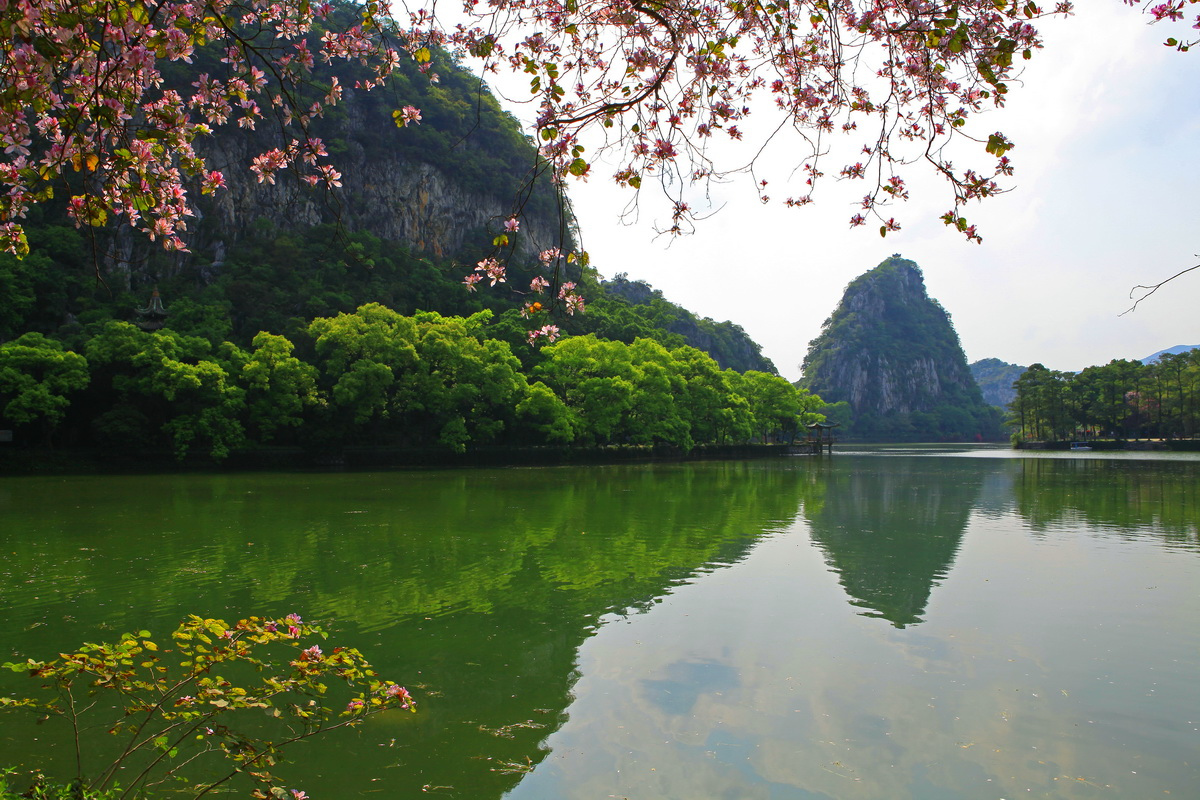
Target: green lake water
[(884, 623)]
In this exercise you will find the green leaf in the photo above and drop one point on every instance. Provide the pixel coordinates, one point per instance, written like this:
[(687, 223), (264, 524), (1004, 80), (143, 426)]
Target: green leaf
[(997, 145)]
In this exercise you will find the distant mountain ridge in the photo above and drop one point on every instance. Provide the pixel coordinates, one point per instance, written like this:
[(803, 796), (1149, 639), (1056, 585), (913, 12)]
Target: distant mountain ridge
[(891, 353), (1179, 348)]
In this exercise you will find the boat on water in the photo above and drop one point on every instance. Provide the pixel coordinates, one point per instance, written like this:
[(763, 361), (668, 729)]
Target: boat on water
[(1080, 446)]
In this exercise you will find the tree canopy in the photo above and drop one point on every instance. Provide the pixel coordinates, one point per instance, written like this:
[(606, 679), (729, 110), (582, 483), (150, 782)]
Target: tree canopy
[(86, 109)]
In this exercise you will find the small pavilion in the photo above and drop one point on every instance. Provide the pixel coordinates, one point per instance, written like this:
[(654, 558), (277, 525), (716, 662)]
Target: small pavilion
[(153, 316), (820, 437)]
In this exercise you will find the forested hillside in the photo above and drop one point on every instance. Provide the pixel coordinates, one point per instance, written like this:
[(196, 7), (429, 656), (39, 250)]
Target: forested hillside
[(321, 319), (417, 207), (376, 377)]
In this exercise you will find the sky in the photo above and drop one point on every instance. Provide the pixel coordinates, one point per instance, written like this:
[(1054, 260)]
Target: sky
[(1106, 123)]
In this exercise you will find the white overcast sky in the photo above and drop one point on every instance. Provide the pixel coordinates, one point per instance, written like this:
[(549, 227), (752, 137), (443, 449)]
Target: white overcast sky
[(1108, 173)]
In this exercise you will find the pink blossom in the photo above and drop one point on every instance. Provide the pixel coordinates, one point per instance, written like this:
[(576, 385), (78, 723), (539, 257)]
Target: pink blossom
[(411, 114), (330, 175), (539, 285), (493, 269), (664, 149), (547, 332), (471, 280), (512, 225), (400, 693), (212, 181)]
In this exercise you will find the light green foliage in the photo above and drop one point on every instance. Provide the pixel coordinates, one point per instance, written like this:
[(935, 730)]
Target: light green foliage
[(655, 416), (197, 705), (645, 394), (462, 385), (36, 375), (541, 411), (594, 379), (382, 378), (626, 310), (707, 400), (360, 356), (278, 385)]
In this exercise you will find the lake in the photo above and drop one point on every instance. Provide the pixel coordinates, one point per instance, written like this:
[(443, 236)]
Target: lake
[(890, 622)]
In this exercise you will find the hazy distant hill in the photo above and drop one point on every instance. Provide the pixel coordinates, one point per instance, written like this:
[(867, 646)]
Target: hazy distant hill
[(995, 379), (1179, 348), (891, 352)]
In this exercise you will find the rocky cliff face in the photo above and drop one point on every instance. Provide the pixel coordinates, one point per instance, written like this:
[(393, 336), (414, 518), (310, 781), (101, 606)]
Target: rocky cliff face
[(891, 352), (395, 186)]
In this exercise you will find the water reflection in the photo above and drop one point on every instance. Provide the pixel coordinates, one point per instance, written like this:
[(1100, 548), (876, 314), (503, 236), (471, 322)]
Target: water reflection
[(1055, 665), (890, 528), (1129, 498), (477, 587), (668, 630)]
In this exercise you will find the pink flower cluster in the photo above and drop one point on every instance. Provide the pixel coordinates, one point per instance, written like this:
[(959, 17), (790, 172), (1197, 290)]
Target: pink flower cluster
[(84, 93), (547, 332)]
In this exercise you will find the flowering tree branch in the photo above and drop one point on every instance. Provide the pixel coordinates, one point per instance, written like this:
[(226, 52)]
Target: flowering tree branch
[(647, 84)]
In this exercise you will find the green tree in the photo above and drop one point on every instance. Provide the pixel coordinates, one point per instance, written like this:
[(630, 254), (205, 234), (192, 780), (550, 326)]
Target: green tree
[(463, 385), (359, 356), (171, 383), (36, 377), (594, 378), (279, 387)]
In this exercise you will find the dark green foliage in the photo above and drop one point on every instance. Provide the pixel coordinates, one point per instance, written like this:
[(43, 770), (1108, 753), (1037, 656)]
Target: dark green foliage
[(1118, 400), (891, 353), (634, 308)]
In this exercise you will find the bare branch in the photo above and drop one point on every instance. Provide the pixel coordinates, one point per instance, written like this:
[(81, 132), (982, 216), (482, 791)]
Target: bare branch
[(1149, 290)]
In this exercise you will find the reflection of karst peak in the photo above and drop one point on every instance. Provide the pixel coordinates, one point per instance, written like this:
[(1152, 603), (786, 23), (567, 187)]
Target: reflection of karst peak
[(891, 535)]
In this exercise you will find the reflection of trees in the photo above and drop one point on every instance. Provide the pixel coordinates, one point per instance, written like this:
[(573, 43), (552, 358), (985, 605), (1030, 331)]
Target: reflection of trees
[(1122, 496), (476, 587), (891, 533)]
